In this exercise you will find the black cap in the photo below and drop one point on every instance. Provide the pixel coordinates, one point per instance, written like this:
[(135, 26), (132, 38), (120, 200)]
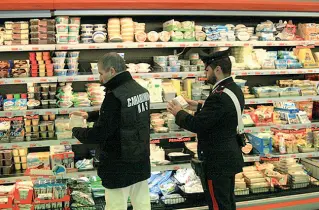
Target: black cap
[(208, 58)]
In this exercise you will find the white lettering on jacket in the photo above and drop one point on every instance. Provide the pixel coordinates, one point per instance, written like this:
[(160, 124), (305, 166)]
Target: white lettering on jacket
[(141, 101)]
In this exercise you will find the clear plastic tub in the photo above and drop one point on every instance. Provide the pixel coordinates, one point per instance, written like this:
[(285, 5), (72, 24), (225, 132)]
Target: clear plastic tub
[(64, 135)]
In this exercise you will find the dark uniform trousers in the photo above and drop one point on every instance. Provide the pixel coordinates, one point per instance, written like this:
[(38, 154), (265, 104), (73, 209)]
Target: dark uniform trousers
[(217, 197)]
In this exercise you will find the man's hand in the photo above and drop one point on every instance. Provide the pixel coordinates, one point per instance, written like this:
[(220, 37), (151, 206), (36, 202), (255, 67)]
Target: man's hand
[(80, 113), (192, 105), (173, 108)]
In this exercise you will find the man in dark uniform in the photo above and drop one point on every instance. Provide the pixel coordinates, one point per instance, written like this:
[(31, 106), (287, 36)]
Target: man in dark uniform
[(122, 129), (215, 123)]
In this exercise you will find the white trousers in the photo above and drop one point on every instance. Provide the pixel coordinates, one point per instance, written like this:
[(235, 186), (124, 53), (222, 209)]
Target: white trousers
[(116, 199)]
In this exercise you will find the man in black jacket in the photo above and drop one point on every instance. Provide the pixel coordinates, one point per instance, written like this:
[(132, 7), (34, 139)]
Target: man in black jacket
[(122, 130), (216, 126)]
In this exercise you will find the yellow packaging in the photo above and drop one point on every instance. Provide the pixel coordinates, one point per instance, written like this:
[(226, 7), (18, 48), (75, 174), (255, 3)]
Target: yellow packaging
[(177, 85), (188, 87), (38, 160)]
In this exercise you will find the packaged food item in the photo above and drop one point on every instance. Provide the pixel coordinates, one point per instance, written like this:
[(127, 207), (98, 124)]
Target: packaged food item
[(39, 160), (153, 36)]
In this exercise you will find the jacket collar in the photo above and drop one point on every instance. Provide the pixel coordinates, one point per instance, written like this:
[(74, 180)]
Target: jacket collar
[(118, 80), (223, 82)]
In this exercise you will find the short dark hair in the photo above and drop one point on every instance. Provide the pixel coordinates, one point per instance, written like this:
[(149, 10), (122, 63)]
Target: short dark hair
[(224, 63), (112, 60)]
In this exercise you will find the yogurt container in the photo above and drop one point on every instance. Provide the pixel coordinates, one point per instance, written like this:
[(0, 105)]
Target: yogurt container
[(60, 54), (75, 20), (74, 54), (62, 20), (74, 28), (62, 38), (99, 26), (73, 39), (87, 40), (99, 37), (60, 72)]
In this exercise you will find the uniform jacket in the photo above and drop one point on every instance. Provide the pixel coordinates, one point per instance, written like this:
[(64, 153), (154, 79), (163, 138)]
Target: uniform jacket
[(114, 172), (216, 127)]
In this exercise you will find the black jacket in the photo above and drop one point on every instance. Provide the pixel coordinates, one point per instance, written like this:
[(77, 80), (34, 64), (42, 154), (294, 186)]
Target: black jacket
[(215, 125), (114, 172)]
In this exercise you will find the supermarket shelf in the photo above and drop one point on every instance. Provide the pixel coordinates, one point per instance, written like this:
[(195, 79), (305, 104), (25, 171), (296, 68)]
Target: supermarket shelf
[(291, 126), (91, 77), (47, 111), (251, 158), (168, 74), (15, 81), (273, 72), (272, 100), (297, 155), (181, 44), (44, 143), (35, 47)]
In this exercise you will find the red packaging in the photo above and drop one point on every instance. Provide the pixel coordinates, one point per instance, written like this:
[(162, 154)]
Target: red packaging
[(306, 106), (24, 96)]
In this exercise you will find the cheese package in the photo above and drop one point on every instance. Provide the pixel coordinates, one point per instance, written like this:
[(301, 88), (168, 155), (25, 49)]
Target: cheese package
[(180, 101), (38, 160)]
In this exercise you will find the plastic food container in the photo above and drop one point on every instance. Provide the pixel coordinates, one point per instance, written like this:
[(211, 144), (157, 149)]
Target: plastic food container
[(53, 87), (62, 28), (75, 20), (60, 54), (23, 152), (6, 154), (7, 169), (27, 122), (87, 27), (60, 72), (45, 87), (16, 159), (52, 117), (50, 127), (51, 134), (99, 37), (87, 40), (15, 153), (45, 95), (35, 128), (74, 54), (72, 72), (62, 38), (45, 117), (44, 135), (73, 39), (62, 19), (35, 121), (52, 103), (74, 28), (17, 166), (64, 135), (28, 128), (7, 162), (58, 59)]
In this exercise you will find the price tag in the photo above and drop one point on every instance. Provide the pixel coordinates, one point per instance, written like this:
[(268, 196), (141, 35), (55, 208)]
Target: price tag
[(64, 47), (70, 79), (182, 45), (191, 75), (272, 73), (17, 81), (155, 141), (299, 72), (269, 158), (29, 113), (43, 80), (212, 45), (229, 45), (14, 146), (32, 145), (309, 99), (174, 75), (248, 131), (48, 113), (310, 71), (269, 101), (119, 46), (140, 46), (90, 78), (8, 114), (176, 168), (92, 47), (269, 44), (2, 182), (246, 44), (156, 76), (159, 45), (257, 73), (64, 143), (136, 77), (282, 44), (244, 74), (14, 49), (293, 156), (35, 48), (283, 72), (1, 147), (19, 180), (196, 44), (252, 102), (309, 155)]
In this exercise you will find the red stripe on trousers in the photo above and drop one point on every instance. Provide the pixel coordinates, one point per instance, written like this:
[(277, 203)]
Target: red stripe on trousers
[(212, 195)]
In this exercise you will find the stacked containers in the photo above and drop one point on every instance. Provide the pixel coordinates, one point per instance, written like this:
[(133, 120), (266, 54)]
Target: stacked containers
[(65, 96), (87, 31), (21, 68), (41, 64), (99, 35), (42, 31), (47, 127), (114, 30), (68, 29), (161, 63), (127, 29), (31, 127), (72, 62), (5, 68), (16, 33), (139, 32), (174, 64), (81, 99), (196, 63), (20, 159), (6, 162), (48, 93), (96, 93)]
